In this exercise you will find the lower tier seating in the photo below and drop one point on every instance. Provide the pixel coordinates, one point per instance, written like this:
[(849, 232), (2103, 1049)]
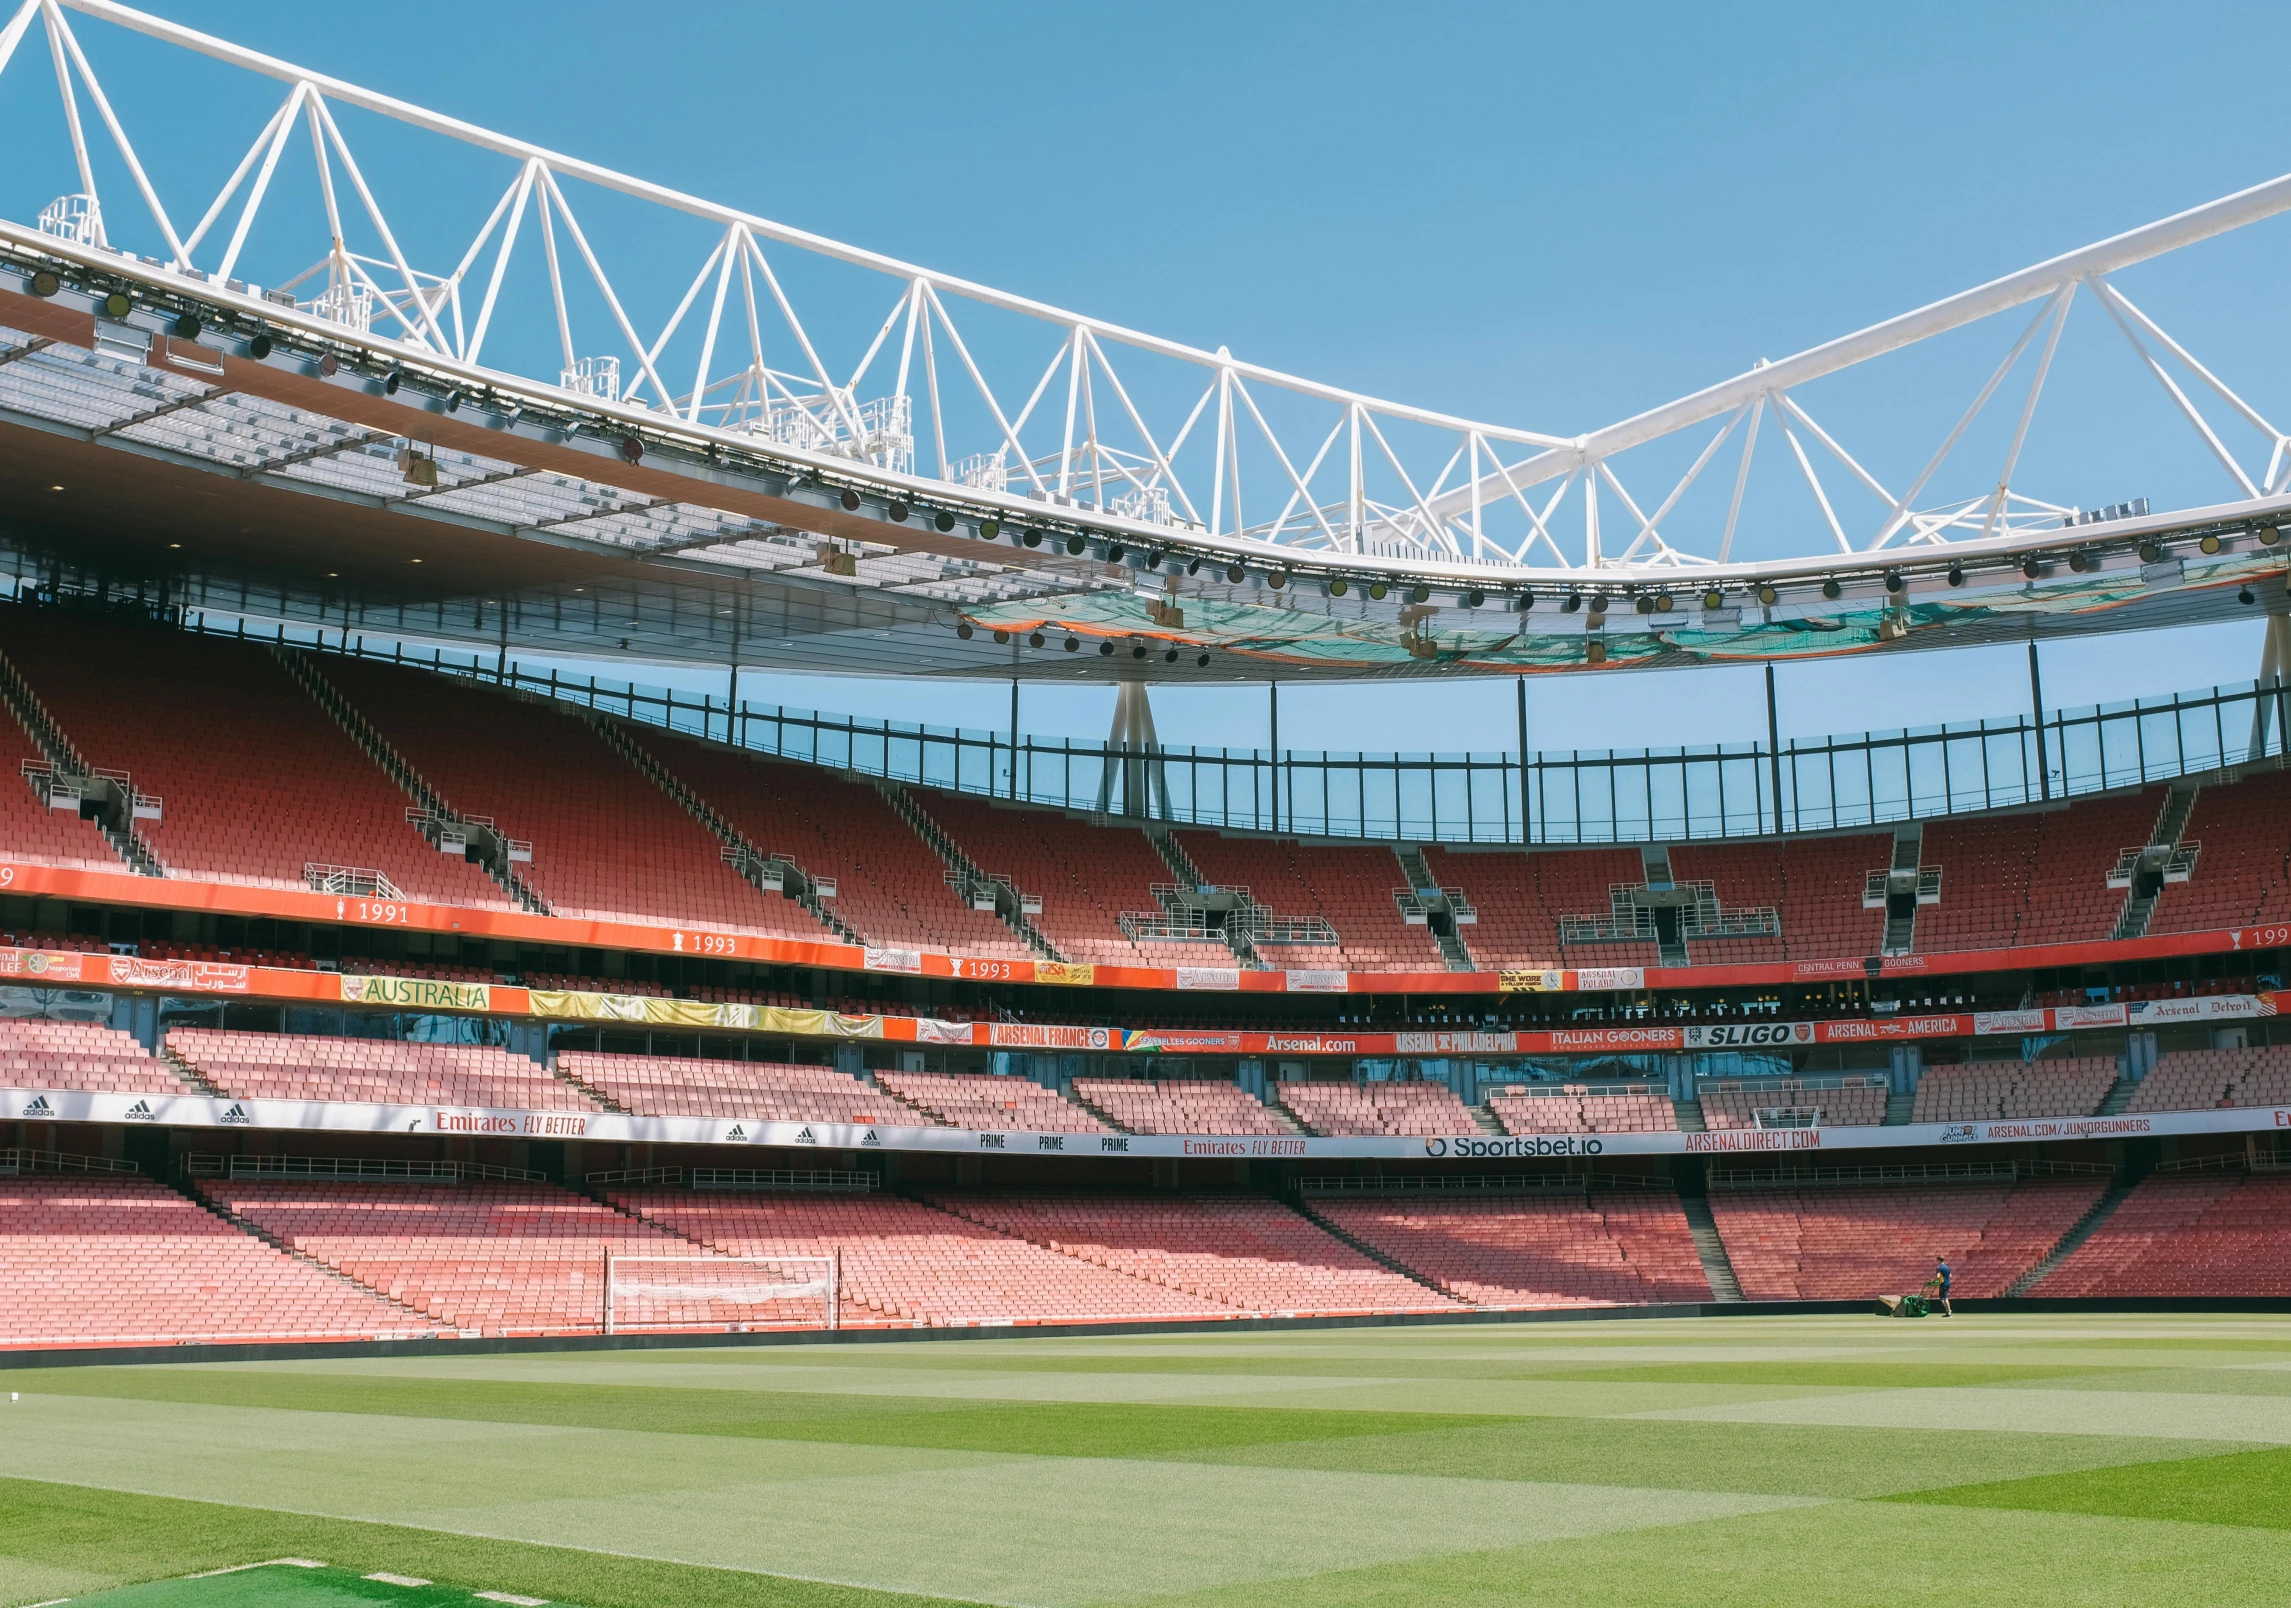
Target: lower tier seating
[(80, 1055), (903, 1262), (2207, 1080), (1612, 1246), (2187, 1234), (119, 1260), (1848, 1242), (497, 1259), (1241, 1251), (1988, 1091), (1581, 1108), (977, 1100), (290, 1066), (1788, 1103), (1343, 1110), (762, 1091), (1186, 1105)]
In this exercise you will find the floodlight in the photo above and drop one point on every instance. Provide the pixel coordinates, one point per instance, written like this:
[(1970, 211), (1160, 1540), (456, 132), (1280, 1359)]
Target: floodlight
[(2151, 552), (1595, 653), (963, 630), (1034, 538), (989, 529), (1768, 595), (1832, 590), (1338, 586), (850, 501), (45, 284), (1002, 636), (1419, 593), (1714, 599), (2210, 543), (259, 348), (1236, 574), (117, 305), (1034, 639), (187, 327), (1956, 575), (1377, 591), (1074, 546), (1474, 598), (898, 512), (945, 521), (1894, 581)]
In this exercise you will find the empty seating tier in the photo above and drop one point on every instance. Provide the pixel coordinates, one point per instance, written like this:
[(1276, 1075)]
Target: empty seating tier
[(1240, 1251), (761, 1091), (1342, 1110), (1086, 876), (1580, 1108), (1351, 889), (80, 1055), (496, 1259), (119, 1260), (1187, 1105), (977, 1100), (2208, 1080), (2242, 873), (1790, 1103), (1610, 1247), (1987, 1091), (286, 1066), (1850, 1242), (903, 1262), (2186, 1234), (32, 830)]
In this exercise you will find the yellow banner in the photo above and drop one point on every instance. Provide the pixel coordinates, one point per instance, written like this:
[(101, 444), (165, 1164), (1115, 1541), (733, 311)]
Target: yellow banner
[(1532, 982), (1060, 971), (653, 1011), (779, 1019), (417, 993)]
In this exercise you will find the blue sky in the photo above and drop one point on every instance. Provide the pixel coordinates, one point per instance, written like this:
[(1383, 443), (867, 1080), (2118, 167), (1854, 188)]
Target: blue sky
[(1546, 216)]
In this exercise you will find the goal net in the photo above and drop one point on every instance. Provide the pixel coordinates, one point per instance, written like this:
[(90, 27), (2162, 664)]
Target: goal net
[(729, 1293)]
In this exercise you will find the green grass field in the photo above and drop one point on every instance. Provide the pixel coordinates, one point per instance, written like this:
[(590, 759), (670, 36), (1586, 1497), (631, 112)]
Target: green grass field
[(1775, 1462)]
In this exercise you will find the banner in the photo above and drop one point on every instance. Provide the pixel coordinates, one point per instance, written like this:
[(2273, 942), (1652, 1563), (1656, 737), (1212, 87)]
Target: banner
[(909, 961), (930, 1030), (1894, 1027), (200, 976), (1314, 982), (2070, 1017), (1455, 1043), (1061, 971), (2204, 1008), (1218, 977), (1600, 979), (1047, 1036), (1749, 1035), (51, 965), (2011, 1022), (419, 993), (1532, 982)]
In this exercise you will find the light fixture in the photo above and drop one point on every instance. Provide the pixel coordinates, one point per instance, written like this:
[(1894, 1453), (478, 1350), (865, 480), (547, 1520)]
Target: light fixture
[(1664, 603), (187, 327), (55, 488), (1894, 582), (1338, 586), (1714, 599), (2032, 568), (1002, 637), (259, 347), (1419, 593), (989, 529), (330, 365), (1074, 645), (2210, 543), (1378, 591), (897, 511), (1643, 603), (1572, 603), (1203, 661), (1115, 552), (1277, 580), (1595, 653), (850, 500), (1768, 596), (117, 305), (1138, 652), (453, 405), (390, 381), (1033, 538), (1034, 639), (2151, 552), (1074, 546), (45, 284), (1525, 601), (1236, 573), (1474, 598), (1832, 590), (2247, 596), (2269, 535), (963, 630), (945, 522)]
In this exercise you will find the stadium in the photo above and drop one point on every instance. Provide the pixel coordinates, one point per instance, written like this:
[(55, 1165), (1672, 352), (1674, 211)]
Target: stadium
[(489, 1112)]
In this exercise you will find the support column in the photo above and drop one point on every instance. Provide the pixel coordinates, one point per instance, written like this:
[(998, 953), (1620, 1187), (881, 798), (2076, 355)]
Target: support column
[(1774, 748), (1526, 836), (1014, 738), (2274, 667), (2036, 702), (1273, 697)]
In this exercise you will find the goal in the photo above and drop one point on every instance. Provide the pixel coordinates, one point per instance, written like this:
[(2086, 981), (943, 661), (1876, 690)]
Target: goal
[(729, 1293)]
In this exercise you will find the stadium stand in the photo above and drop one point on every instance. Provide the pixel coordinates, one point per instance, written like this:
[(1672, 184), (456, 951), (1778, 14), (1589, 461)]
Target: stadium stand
[(760, 1091), (114, 1259), (491, 1258), (890, 885), (1408, 1109), (286, 1066), (2069, 900), (1584, 1108), (607, 842), (1985, 863), (1978, 1091), (1086, 876), (2242, 874), (1821, 909), (971, 1100), (903, 1262), (1578, 883), (1851, 1241), (1186, 1105), (1514, 929), (1241, 1251), (79, 1055), (255, 781), (1793, 1103), (1607, 1247), (29, 828), (1349, 888), (2224, 1079), (2196, 1233), (1743, 876)]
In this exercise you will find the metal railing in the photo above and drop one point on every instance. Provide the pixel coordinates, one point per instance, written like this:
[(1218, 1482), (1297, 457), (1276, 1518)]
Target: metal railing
[(1670, 795), (810, 1180), (369, 1169), (1476, 1184), (1952, 1172), (15, 1163)]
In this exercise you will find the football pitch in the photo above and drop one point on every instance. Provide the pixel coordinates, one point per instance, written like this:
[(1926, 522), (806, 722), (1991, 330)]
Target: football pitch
[(2022, 1459)]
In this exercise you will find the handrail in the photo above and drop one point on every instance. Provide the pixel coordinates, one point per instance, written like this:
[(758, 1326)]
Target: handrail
[(1926, 1173), (1828, 784)]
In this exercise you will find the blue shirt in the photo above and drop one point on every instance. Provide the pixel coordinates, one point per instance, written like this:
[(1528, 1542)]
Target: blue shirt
[(1941, 1272)]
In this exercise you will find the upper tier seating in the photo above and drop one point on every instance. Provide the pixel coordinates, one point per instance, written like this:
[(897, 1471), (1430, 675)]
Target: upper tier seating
[(2069, 900), (1821, 908), (1579, 1108), (1984, 865), (1987, 1091), (2242, 875), (1737, 1105), (760, 1091), (29, 829), (972, 1100), (1847, 1242), (2186, 1234), (1614, 1246), (1350, 888), (1341, 1110), (904, 1262), (2205, 1080), (500, 1259), (287, 1066), (1241, 1251), (1577, 882), (79, 1055), (111, 1259), (891, 886), (255, 780), (608, 844), (1086, 877), (1184, 1105), (1514, 928), (1744, 876)]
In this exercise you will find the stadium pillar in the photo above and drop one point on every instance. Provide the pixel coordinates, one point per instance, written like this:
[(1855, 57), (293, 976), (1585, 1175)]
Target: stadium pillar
[(1774, 749), (1273, 697), (2036, 702), (1525, 836), (1014, 737)]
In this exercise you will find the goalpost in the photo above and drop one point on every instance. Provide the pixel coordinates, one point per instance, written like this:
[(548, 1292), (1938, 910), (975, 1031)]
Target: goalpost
[(730, 1293)]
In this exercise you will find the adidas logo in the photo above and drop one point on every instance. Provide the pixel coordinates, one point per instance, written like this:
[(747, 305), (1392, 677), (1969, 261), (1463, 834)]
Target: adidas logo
[(139, 1112), (39, 1107), (871, 1139), (236, 1115), (737, 1133), (806, 1138)]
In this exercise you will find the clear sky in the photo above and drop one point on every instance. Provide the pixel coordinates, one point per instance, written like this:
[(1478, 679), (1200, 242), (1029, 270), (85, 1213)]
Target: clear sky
[(1548, 216)]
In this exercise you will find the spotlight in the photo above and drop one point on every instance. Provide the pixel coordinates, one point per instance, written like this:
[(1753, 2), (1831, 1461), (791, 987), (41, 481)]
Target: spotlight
[(2247, 596), (1002, 636), (1893, 582), (1714, 599), (1419, 593), (1339, 586), (1203, 661), (963, 630), (1595, 653), (1138, 652), (1075, 546), (259, 348), (1526, 601), (2151, 552), (330, 365), (187, 327), (1377, 591), (45, 284), (1154, 558), (1572, 603), (1105, 649), (1236, 574), (1475, 598), (1664, 603), (989, 529), (1034, 639), (1277, 580), (2031, 569), (2210, 544), (1034, 538), (898, 513), (2269, 535), (850, 501), (1193, 566), (1596, 603), (453, 405), (632, 449), (1644, 604), (1768, 596), (945, 521), (390, 381), (1170, 657), (1832, 590), (117, 305), (1956, 575)]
